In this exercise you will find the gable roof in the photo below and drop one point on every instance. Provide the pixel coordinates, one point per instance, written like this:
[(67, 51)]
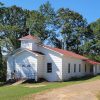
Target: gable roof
[(67, 53), (72, 54), (19, 50), (28, 37), (61, 51)]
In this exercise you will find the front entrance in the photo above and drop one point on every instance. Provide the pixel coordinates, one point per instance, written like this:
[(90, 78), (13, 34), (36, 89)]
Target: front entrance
[(25, 72)]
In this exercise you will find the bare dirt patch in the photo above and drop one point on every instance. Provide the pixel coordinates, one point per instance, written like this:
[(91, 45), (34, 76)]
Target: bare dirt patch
[(34, 86), (83, 91)]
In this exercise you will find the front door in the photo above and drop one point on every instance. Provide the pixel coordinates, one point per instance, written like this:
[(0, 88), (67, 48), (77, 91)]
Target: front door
[(28, 72), (25, 72)]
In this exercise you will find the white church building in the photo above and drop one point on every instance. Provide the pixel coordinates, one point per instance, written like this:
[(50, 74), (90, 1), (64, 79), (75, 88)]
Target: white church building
[(34, 61)]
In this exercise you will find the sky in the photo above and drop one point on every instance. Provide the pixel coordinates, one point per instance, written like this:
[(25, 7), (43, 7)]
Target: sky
[(90, 9)]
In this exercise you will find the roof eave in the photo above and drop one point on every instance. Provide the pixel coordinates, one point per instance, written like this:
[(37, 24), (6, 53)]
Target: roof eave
[(53, 50)]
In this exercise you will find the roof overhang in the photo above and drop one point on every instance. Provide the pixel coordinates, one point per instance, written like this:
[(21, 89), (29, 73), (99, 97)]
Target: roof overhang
[(91, 62), (52, 50), (20, 50)]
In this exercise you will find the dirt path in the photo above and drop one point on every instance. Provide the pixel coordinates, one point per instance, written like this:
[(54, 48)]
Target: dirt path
[(83, 91)]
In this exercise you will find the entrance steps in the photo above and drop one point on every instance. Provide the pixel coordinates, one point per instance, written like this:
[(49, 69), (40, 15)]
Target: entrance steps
[(18, 82)]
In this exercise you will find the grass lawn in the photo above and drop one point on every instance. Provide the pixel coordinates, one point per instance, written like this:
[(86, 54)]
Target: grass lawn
[(98, 96), (17, 92)]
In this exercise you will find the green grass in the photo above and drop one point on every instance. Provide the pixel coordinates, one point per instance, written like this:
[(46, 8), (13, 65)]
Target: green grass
[(98, 96), (17, 92)]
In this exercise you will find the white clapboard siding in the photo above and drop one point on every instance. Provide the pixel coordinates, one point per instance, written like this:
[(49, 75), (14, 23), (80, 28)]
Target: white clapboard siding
[(72, 61), (29, 44), (56, 60)]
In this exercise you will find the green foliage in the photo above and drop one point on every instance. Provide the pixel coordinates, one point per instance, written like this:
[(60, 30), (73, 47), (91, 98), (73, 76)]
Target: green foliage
[(1, 4), (91, 48), (36, 24), (48, 12), (72, 27), (13, 25), (49, 15), (0, 58), (2, 67)]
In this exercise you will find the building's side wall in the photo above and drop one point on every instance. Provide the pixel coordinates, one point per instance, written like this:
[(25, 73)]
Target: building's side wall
[(56, 60), (72, 61)]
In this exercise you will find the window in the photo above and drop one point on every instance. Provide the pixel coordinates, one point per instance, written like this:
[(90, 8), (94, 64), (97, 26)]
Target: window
[(85, 67), (23, 65), (91, 68), (49, 67), (74, 67), (28, 66), (79, 67), (69, 68)]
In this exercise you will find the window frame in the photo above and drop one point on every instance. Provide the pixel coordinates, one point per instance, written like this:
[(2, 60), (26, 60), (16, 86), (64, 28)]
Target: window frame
[(85, 68), (23, 65), (74, 68), (28, 65), (79, 67), (99, 67), (69, 68)]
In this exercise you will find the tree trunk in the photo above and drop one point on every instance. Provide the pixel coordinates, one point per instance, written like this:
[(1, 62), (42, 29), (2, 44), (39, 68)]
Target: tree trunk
[(0, 57)]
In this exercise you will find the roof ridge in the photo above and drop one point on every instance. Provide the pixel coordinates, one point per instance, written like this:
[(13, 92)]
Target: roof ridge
[(66, 52), (29, 36)]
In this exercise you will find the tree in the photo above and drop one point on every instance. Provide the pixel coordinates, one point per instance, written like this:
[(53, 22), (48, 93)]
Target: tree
[(2, 65), (36, 24), (1, 4), (49, 14), (12, 26), (72, 27), (91, 47), (0, 59)]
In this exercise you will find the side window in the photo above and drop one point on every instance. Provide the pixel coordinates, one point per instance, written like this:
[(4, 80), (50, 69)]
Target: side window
[(23, 65), (28, 66), (74, 67), (91, 68), (99, 67), (79, 67), (85, 67), (49, 67), (69, 68)]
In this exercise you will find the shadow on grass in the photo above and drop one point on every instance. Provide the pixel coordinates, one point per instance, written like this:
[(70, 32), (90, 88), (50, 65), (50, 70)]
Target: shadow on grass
[(31, 81), (83, 78)]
